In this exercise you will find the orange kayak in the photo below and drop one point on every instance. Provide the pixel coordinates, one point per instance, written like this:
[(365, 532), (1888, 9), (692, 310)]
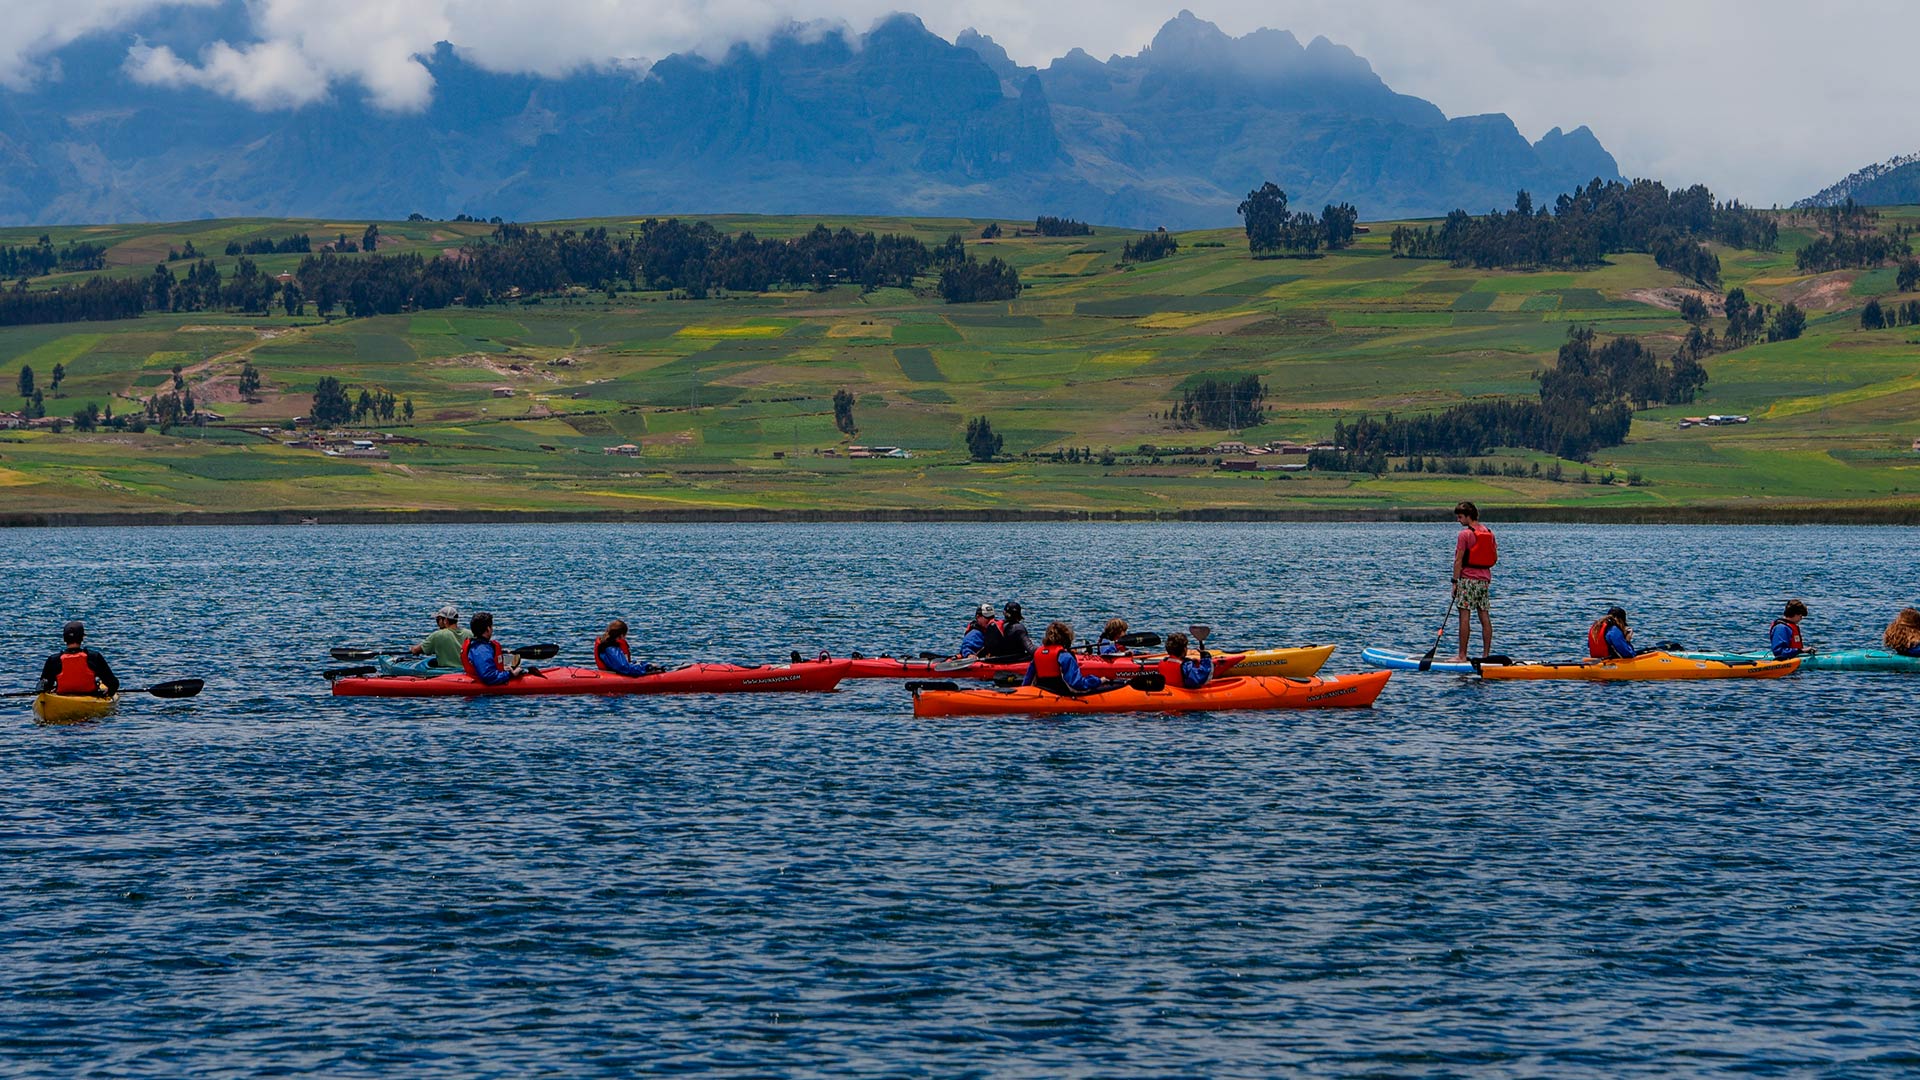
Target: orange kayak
[(1233, 692), (1646, 666)]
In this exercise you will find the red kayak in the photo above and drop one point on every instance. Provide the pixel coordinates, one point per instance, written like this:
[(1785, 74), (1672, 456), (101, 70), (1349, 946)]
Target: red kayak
[(811, 675), (1119, 667)]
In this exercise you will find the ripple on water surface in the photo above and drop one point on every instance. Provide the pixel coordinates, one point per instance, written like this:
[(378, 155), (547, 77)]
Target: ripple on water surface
[(1488, 879)]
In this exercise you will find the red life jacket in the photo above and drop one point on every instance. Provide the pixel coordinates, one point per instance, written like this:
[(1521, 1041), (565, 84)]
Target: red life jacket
[(76, 674), (600, 643), (1169, 669), (1793, 643), (1597, 641), (1482, 551), (466, 655), (1046, 662)]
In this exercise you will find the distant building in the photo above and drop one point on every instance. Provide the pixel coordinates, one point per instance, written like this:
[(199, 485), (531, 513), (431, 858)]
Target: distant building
[(1232, 446), (503, 391), (624, 450)]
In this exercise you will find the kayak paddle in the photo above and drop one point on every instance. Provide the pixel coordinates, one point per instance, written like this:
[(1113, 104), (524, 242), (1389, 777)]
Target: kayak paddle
[(960, 663), (1142, 640), (916, 687), (177, 688), (1426, 662), (348, 672), (1151, 681), (531, 652)]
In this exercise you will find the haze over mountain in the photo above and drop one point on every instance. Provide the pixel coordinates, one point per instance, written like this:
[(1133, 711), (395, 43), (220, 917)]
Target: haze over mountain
[(1893, 182), (896, 121)]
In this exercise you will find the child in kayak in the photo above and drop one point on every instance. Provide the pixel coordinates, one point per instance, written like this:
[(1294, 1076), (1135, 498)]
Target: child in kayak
[(481, 655), (1903, 633), (76, 670), (1784, 634), (1180, 671), (611, 652), (1109, 643), (1054, 668), (1610, 639)]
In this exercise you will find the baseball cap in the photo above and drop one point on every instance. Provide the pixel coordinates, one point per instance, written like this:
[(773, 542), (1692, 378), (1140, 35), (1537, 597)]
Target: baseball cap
[(448, 612), (984, 611), (73, 631), (1013, 607)]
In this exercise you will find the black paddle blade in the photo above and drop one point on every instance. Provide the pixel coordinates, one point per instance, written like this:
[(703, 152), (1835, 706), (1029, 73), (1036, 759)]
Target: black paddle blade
[(1150, 681), (1668, 646), (347, 672), (538, 652), (1006, 680), (916, 687), (178, 688), (1143, 640), (925, 655), (1199, 632), (353, 654)]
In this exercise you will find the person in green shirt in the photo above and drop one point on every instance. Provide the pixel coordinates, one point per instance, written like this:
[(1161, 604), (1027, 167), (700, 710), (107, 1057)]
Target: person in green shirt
[(445, 643)]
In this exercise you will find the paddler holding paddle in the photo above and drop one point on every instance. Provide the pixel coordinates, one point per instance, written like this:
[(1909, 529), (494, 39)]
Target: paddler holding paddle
[(77, 670), (481, 656), (446, 642), (1474, 554)]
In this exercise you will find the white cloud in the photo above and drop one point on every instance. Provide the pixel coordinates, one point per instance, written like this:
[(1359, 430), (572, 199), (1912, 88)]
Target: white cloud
[(1754, 97), (33, 28), (266, 75)]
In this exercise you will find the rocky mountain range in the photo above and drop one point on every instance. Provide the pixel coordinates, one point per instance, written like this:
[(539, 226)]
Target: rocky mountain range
[(895, 121)]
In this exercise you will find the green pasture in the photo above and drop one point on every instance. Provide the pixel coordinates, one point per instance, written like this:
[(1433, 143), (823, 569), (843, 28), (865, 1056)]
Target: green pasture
[(518, 404)]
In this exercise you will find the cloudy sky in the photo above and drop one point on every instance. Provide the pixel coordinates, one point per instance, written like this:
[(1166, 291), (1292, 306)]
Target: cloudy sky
[(1760, 99)]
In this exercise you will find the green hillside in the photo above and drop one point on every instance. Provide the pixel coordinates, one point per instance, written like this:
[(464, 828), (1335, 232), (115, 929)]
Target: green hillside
[(1091, 355)]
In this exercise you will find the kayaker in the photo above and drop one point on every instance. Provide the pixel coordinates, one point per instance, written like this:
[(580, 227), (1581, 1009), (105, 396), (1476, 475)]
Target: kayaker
[(447, 640), (1179, 670), (1610, 639), (1053, 666), (481, 655), (1903, 633), (982, 632), (76, 670), (611, 652), (1785, 632), (1474, 553), (1015, 642), (1109, 643)]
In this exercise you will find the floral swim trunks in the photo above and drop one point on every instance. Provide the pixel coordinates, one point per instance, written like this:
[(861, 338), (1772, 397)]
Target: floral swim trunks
[(1472, 594)]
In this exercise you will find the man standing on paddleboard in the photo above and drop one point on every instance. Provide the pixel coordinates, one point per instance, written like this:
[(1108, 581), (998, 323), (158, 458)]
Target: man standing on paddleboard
[(1474, 554)]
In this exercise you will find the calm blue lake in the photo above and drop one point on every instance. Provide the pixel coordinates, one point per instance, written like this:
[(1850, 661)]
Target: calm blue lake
[(1513, 879)]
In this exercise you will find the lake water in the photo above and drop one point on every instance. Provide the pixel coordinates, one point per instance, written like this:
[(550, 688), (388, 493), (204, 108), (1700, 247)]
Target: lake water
[(1517, 879)]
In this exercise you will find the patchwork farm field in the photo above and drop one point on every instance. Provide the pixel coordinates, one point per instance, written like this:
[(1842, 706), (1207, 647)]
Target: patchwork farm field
[(729, 400)]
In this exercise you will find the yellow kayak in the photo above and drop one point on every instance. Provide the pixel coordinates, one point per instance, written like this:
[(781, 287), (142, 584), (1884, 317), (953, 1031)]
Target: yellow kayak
[(72, 708), (1296, 663), (1651, 665)]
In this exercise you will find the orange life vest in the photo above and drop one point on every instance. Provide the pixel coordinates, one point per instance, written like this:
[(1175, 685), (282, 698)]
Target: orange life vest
[(76, 674), (1482, 551), (1794, 643), (1169, 669), (1046, 662), (466, 655), (600, 643), (1597, 641)]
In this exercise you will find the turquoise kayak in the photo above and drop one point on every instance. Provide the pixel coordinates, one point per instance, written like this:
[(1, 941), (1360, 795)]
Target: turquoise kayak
[(1399, 661), (1837, 660), (417, 666)]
